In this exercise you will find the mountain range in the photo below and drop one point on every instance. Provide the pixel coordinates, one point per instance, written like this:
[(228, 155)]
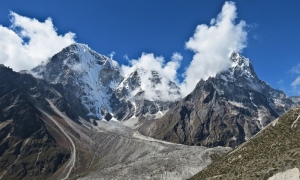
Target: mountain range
[(79, 116)]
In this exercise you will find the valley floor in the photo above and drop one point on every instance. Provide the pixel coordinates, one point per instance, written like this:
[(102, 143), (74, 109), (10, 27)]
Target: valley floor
[(112, 150)]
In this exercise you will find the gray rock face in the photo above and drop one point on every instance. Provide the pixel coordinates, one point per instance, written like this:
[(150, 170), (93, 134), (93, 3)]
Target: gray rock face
[(222, 111)]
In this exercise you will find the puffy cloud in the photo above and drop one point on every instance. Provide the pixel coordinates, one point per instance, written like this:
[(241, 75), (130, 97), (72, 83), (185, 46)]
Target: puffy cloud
[(147, 64), (213, 45), (28, 42)]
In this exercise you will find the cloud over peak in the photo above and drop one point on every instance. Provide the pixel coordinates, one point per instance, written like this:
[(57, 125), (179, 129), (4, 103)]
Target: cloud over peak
[(212, 45), (28, 42), (167, 72)]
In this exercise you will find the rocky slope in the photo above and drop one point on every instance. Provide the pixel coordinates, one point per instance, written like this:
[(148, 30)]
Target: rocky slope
[(30, 147), (225, 110), (271, 154), (122, 153)]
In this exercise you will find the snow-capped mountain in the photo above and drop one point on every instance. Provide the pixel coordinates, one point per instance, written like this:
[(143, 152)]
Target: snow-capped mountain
[(101, 86), (136, 84), (133, 88), (224, 110), (88, 75), (241, 72)]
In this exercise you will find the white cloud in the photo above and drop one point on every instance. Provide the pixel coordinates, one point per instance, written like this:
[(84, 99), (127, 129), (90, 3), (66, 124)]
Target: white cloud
[(280, 82), (28, 42), (126, 57), (296, 69), (296, 82), (111, 55), (147, 64), (213, 45)]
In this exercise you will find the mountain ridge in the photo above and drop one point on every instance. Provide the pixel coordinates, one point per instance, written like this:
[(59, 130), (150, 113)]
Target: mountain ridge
[(224, 110)]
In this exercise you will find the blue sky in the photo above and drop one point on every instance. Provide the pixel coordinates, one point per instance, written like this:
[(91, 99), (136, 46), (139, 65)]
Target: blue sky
[(132, 27)]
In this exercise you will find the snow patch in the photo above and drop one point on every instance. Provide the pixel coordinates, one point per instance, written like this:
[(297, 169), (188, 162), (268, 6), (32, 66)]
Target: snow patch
[(290, 174), (237, 104), (295, 123)]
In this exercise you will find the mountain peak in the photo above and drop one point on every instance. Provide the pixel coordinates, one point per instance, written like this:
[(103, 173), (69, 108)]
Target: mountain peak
[(89, 75), (240, 72), (78, 45), (239, 61)]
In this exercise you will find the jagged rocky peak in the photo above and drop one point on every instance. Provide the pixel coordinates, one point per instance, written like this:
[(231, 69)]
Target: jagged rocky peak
[(92, 77), (79, 59), (140, 82), (242, 64), (241, 71)]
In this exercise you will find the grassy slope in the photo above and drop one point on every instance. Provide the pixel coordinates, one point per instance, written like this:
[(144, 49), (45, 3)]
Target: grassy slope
[(275, 149)]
